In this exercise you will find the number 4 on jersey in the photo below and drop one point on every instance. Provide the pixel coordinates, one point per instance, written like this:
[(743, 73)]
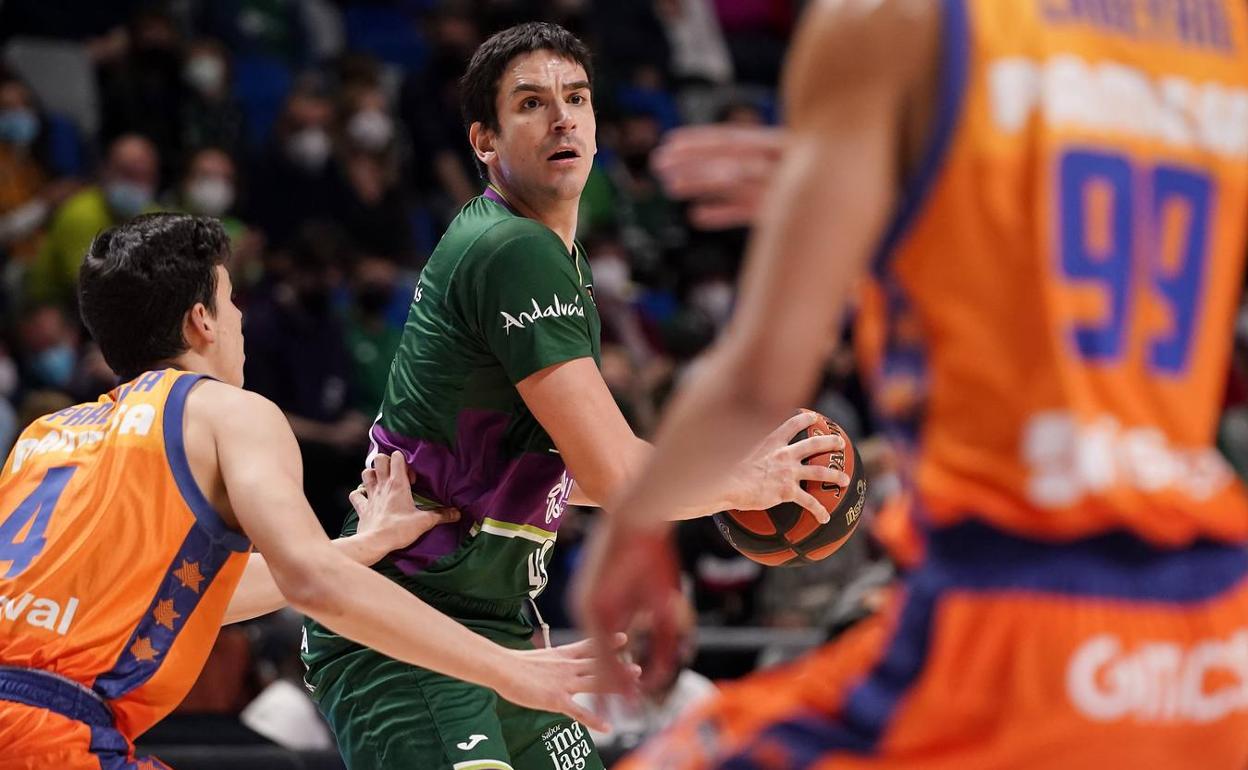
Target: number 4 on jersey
[(38, 506)]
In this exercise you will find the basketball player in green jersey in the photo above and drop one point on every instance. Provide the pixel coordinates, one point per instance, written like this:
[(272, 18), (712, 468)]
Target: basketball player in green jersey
[(496, 402)]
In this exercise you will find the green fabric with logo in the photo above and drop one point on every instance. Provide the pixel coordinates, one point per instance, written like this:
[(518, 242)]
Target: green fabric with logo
[(500, 298)]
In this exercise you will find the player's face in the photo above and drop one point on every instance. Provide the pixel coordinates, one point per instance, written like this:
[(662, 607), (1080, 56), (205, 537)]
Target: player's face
[(546, 140), (228, 352)]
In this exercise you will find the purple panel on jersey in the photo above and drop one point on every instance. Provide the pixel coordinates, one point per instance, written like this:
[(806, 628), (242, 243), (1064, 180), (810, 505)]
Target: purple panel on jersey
[(478, 479)]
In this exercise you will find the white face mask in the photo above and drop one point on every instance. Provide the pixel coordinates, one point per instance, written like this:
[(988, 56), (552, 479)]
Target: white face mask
[(612, 276), (210, 196), (127, 199), (714, 298), (372, 130), (205, 74), (309, 148)]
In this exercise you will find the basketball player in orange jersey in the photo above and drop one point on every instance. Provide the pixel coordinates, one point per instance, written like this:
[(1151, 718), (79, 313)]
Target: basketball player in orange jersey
[(1053, 194), (126, 525)]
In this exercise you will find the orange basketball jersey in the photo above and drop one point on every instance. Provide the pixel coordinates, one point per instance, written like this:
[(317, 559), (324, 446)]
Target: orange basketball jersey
[(115, 571), (1052, 312)]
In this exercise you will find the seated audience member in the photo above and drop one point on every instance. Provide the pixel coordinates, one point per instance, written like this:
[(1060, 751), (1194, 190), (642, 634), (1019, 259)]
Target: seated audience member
[(211, 116), (293, 181), (27, 192), (297, 357), (127, 187)]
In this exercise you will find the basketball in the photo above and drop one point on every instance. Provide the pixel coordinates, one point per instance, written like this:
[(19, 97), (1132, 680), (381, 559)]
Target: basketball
[(788, 534)]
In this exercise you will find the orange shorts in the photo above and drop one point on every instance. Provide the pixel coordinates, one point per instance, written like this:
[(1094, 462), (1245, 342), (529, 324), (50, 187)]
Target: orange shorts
[(1003, 653), (48, 722)]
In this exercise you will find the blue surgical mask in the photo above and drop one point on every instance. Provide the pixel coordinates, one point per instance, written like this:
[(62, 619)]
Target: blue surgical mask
[(18, 127), (55, 365), (127, 199)]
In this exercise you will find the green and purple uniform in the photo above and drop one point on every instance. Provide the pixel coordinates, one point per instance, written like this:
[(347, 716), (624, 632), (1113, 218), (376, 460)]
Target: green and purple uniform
[(500, 299)]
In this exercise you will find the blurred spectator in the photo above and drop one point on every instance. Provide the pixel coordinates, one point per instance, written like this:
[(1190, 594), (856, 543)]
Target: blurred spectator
[(442, 168), (92, 375), (741, 113), (209, 187), (724, 581), (373, 208), (127, 187), (649, 222), (144, 92), (757, 32), (211, 116), (50, 342), (293, 180), (91, 23), (274, 29), (701, 64), (699, 53), (628, 37), (297, 356), (27, 194), (371, 338)]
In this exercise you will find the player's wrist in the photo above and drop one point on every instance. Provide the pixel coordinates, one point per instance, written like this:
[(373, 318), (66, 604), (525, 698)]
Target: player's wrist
[(368, 547)]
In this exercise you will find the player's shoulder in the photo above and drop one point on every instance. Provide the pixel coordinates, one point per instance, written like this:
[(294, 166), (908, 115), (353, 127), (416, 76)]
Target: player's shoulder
[(220, 403), (509, 239), (516, 233)]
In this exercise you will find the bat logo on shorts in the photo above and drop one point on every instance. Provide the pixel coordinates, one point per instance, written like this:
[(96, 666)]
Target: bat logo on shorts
[(472, 742)]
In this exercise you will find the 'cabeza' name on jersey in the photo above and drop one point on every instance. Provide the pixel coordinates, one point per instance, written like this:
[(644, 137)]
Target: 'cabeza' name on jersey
[(557, 309)]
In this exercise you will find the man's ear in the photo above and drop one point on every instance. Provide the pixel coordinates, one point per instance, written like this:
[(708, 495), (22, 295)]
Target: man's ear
[(482, 141), (199, 327)]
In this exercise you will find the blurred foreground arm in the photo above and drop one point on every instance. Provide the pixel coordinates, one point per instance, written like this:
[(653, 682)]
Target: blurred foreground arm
[(848, 74)]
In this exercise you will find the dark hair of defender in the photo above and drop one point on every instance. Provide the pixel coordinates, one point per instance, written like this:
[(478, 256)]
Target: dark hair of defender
[(478, 88), (140, 279)]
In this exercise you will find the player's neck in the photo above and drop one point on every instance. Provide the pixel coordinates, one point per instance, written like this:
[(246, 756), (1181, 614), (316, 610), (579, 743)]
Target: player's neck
[(559, 215), (190, 361)]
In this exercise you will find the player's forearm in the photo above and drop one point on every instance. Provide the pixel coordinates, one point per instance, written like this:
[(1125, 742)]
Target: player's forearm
[(257, 593), (630, 472), (764, 365), (378, 613), (684, 476)]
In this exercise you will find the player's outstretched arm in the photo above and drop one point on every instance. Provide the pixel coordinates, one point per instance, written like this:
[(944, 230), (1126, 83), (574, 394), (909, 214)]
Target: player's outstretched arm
[(380, 531), (261, 470), (575, 407)]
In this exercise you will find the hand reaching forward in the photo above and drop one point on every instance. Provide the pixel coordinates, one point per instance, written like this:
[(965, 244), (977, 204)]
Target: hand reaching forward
[(389, 518), (546, 679)]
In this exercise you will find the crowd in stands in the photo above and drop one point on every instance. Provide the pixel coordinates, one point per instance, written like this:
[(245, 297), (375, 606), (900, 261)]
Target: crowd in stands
[(326, 136)]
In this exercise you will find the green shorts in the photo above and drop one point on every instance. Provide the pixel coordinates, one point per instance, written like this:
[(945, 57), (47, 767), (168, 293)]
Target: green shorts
[(392, 715)]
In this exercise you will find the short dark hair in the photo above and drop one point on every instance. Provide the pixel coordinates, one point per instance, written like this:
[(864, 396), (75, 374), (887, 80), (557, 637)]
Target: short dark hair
[(478, 88), (140, 279)]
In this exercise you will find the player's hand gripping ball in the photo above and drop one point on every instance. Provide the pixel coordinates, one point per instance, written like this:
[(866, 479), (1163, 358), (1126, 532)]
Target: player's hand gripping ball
[(788, 534)]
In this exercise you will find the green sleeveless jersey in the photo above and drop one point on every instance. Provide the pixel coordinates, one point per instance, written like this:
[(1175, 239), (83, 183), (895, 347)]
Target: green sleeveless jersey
[(499, 299)]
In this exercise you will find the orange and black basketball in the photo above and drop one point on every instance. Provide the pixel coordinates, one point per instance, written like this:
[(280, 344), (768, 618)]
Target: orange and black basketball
[(788, 534)]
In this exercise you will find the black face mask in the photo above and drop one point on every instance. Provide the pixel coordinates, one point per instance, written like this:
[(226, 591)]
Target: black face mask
[(157, 58), (373, 298), (315, 301), (637, 163)]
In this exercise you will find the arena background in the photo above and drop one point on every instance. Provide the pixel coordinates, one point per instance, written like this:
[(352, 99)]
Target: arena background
[(326, 135)]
